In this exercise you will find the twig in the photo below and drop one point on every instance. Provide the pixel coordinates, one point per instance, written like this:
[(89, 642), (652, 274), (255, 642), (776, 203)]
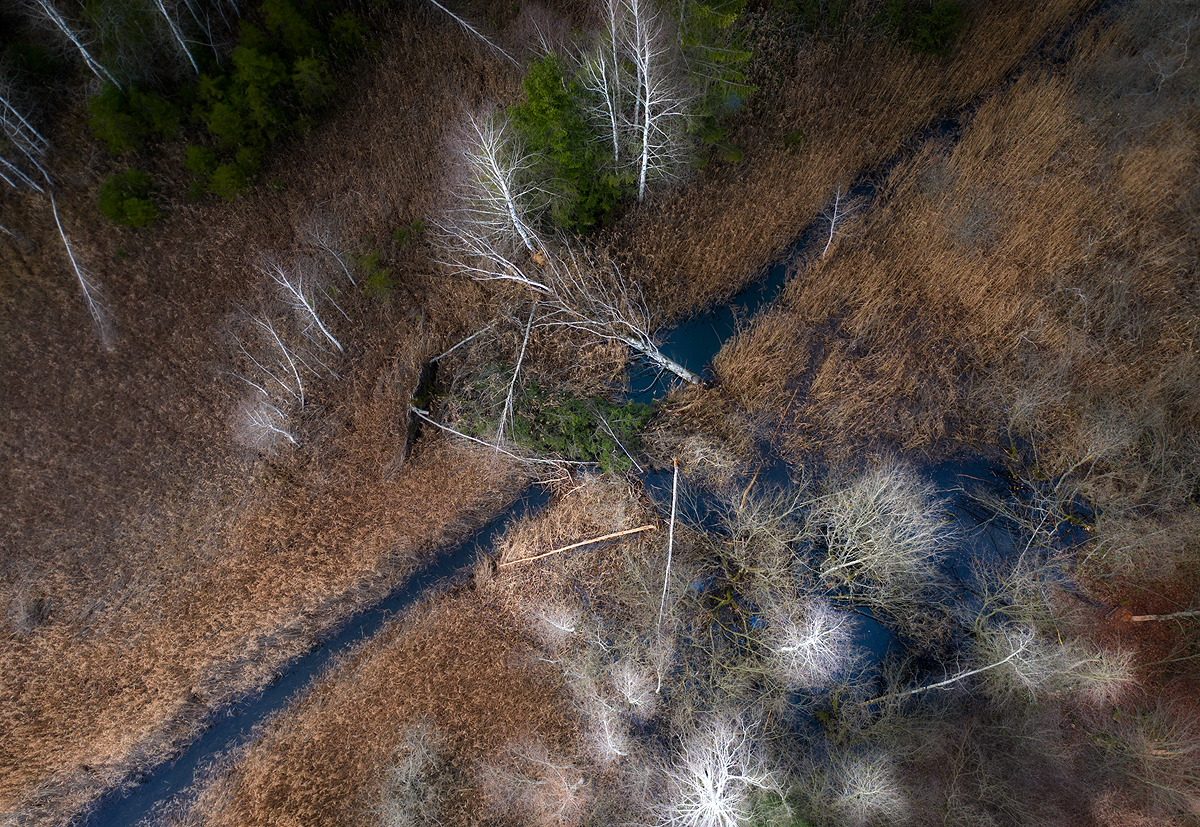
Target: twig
[(1172, 616), (508, 400), (463, 342), (670, 540), (612, 536), (558, 462)]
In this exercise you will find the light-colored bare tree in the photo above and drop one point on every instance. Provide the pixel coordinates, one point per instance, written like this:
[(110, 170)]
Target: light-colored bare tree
[(74, 35), (262, 424), (324, 234), (716, 777), (19, 134), (93, 293), (662, 102), (603, 73), (298, 291), (475, 32), (497, 203), (176, 33), (491, 235)]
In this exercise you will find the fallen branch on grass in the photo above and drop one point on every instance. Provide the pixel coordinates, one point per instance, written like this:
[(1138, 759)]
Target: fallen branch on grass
[(1172, 616), (424, 415), (612, 536)]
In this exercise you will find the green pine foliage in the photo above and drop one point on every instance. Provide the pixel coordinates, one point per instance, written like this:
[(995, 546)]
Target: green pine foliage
[(127, 199), (555, 129), (714, 50), (278, 77), (555, 424), (930, 28), (124, 120)]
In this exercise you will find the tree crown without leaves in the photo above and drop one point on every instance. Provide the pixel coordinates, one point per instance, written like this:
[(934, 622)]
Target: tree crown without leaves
[(490, 235)]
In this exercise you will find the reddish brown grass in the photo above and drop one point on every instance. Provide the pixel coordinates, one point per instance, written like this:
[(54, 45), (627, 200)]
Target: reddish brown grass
[(154, 570), (455, 661)]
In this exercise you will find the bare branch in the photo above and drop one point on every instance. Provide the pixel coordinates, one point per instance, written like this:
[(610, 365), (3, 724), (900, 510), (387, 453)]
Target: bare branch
[(292, 287), (56, 19), (504, 413), (93, 293), (476, 32), (582, 543)]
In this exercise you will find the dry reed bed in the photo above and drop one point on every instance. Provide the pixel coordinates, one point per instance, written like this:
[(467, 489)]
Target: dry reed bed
[(154, 570), (855, 105), (467, 663), (457, 662), (1036, 275), (246, 569)]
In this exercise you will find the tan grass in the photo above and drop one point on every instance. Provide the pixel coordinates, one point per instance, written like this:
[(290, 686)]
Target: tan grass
[(153, 570), (1035, 267), (856, 106), (455, 662)]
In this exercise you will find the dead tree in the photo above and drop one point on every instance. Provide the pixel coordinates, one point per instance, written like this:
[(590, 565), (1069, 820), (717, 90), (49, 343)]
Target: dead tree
[(176, 33), (24, 139), (662, 102), (76, 38), (93, 293), (491, 236)]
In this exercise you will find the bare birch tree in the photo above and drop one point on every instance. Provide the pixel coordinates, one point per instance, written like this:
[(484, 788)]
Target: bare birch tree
[(323, 233), (176, 33), (603, 74), (27, 144), (663, 104), (491, 236), (475, 32), (75, 36), (297, 289), (93, 293), (499, 201)]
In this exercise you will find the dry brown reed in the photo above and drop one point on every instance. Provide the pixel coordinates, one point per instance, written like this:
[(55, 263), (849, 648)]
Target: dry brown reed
[(153, 570), (455, 662), (1033, 271), (853, 107)]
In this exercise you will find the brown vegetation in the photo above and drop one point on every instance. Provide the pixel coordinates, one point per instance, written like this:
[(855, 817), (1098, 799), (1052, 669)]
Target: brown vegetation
[(847, 109), (1035, 280), (455, 664), (1037, 271), (154, 570)]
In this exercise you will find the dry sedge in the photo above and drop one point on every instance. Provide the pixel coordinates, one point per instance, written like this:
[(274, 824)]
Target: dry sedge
[(1033, 280)]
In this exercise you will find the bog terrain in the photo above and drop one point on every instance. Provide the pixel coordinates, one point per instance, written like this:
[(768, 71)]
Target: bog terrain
[(296, 296)]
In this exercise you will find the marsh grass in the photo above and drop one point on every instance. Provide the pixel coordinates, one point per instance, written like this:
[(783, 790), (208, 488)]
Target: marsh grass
[(1005, 265), (720, 230), (447, 682), (177, 571), (1032, 279)]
